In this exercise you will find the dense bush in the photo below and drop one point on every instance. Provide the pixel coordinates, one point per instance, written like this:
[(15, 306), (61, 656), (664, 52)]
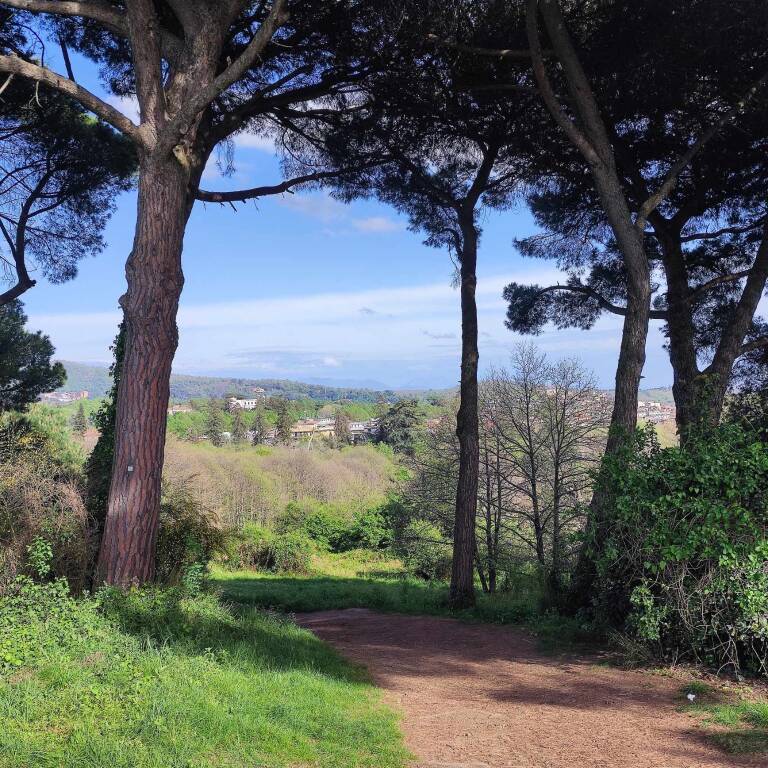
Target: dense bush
[(333, 529), (686, 559), (257, 548), (425, 551), (40, 499), (188, 537)]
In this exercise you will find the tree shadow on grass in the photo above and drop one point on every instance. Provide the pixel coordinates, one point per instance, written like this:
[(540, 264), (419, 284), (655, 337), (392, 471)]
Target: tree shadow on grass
[(303, 594), (240, 635)]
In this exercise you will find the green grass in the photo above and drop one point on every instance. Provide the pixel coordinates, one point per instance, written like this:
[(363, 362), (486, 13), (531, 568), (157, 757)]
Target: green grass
[(746, 721), (159, 680), (356, 580)]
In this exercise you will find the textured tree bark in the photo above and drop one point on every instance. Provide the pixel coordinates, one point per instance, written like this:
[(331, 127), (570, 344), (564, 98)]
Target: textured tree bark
[(699, 395), (155, 280), (716, 377), (462, 591)]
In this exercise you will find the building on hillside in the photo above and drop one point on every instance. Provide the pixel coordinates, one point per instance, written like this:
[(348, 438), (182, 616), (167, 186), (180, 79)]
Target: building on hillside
[(62, 398), (259, 393), (654, 411), (308, 428), (179, 408), (245, 403)]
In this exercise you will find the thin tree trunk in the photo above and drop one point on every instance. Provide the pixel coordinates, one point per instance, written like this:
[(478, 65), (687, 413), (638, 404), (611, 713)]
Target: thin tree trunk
[(682, 347), (155, 280), (462, 591)]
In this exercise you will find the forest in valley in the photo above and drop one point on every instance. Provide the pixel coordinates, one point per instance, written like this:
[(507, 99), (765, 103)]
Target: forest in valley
[(202, 570)]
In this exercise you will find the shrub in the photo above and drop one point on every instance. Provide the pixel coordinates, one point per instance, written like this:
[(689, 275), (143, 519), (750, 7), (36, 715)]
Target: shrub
[(323, 523), (36, 618), (425, 551), (686, 557), (41, 501), (335, 530), (257, 548), (187, 538)]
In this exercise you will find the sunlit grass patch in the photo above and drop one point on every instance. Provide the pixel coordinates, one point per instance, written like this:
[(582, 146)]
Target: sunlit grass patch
[(160, 680), (361, 579), (746, 721)]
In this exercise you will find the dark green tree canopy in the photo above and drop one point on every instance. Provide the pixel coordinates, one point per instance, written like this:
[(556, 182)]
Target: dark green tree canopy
[(60, 172), (399, 424), (668, 75), (26, 369)]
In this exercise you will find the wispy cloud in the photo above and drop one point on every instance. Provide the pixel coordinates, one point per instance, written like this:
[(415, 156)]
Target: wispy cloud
[(336, 216), (438, 336), (377, 333), (377, 224)]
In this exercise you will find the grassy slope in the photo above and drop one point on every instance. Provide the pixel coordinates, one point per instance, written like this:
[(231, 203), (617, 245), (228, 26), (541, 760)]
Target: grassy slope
[(168, 683), (354, 580)]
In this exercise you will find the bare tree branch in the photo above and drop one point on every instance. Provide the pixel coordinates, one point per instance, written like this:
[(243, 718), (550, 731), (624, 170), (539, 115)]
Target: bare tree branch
[(655, 314), (684, 160), (242, 195), (758, 343), (17, 66), (574, 133), (106, 14), (720, 280), (724, 231), (496, 53)]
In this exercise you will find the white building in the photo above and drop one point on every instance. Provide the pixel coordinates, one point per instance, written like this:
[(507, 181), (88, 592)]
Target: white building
[(244, 404)]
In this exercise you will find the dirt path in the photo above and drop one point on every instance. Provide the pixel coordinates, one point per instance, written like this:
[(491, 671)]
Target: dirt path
[(477, 696)]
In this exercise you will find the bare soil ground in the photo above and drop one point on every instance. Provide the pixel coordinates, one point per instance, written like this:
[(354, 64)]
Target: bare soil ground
[(477, 696)]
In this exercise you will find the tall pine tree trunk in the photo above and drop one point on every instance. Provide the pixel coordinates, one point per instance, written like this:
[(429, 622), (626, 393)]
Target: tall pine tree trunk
[(155, 280), (462, 592)]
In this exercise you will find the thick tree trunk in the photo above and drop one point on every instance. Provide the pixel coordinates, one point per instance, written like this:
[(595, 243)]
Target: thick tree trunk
[(699, 395), (462, 592), (155, 280), (629, 372), (717, 376)]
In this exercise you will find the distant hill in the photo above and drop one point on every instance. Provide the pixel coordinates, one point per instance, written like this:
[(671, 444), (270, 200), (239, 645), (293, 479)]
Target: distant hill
[(97, 381), (658, 395)]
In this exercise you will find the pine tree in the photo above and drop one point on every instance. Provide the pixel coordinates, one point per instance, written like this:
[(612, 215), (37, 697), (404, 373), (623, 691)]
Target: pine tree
[(238, 426), (341, 429), (79, 421), (284, 422), (26, 368), (259, 426), (214, 422)]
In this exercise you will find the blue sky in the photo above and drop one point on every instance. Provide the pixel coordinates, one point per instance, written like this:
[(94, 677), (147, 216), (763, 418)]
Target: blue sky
[(304, 287)]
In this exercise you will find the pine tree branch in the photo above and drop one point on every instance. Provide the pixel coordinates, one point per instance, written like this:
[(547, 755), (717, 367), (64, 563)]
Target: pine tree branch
[(17, 66)]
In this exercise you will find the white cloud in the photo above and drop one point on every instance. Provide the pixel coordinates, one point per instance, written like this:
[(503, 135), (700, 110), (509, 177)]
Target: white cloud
[(317, 206), (336, 215), (377, 224), (380, 333), (250, 140)]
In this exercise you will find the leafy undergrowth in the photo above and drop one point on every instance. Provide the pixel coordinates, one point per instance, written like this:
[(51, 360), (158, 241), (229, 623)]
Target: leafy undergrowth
[(157, 679), (737, 725), (360, 579)]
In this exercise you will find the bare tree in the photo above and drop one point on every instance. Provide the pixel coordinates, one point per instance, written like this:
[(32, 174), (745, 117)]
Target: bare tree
[(551, 424), (543, 430)]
